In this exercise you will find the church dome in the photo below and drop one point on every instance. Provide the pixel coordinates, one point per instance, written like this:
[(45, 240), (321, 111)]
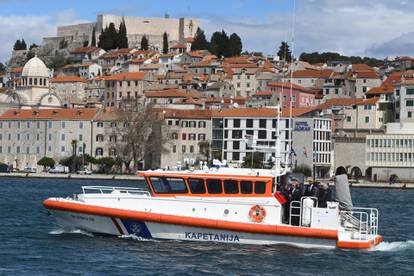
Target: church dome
[(35, 67)]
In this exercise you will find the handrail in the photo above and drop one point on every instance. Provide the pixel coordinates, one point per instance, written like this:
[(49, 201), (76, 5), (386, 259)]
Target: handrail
[(109, 190), (360, 219)]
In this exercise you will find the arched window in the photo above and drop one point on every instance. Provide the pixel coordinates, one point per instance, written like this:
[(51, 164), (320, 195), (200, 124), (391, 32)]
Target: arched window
[(30, 81), (35, 81), (40, 82), (99, 138), (99, 152), (174, 135), (112, 152), (112, 138)]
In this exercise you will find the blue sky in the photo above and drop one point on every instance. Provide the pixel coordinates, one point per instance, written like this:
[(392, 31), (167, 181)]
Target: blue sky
[(352, 27)]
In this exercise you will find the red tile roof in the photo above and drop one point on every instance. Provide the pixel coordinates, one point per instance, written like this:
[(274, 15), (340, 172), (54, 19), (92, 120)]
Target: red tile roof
[(179, 46), (49, 114), (367, 75), (62, 79), (187, 114), (261, 112), (348, 102), (85, 50), (314, 74), (127, 76), (361, 67), (384, 89)]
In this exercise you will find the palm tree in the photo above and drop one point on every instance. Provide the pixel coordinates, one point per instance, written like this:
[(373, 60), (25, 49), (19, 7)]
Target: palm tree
[(74, 144)]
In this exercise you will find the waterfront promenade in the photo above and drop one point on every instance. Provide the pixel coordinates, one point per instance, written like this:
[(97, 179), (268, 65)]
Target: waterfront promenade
[(361, 184)]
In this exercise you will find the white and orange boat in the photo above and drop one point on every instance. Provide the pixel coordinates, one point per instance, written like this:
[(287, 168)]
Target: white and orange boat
[(219, 205)]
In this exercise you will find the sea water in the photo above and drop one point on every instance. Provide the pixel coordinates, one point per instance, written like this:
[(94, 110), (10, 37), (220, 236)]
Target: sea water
[(32, 244)]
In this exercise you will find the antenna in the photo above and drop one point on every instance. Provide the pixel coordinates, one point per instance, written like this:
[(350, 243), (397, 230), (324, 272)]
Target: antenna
[(291, 86)]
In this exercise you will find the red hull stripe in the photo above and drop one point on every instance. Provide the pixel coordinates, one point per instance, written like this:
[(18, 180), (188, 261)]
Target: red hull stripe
[(359, 244), (194, 222), (117, 226)]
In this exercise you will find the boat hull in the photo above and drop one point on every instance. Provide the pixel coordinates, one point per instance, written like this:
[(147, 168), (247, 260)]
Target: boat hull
[(152, 230)]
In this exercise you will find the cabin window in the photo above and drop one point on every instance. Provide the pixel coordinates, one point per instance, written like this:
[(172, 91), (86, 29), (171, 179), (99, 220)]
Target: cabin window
[(231, 187), (259, 187), (164, 185), (246, 187), (214, 186), (196, 186)]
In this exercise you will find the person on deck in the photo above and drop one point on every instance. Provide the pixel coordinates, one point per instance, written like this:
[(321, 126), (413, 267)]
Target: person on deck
[(295, 195), (312, 189), (324, 195)]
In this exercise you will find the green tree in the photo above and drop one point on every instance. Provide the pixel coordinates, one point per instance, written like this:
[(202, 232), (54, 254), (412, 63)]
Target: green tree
[(17, 45), (20, 45), (85, 43), (2, 68), (235, 45), (57, 62), (200, 41), (165, 43), (102, 40), (219, 44), (253, 160), (284, 52), (106, 164), (93, 39), (144, 43), (46, 162), (122, 41), (34, 45), (30, 55), (63, 44), (23, 45), (112, 36)]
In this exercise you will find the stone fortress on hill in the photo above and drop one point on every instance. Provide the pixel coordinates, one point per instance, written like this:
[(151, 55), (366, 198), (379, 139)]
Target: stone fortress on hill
[(177, 29)]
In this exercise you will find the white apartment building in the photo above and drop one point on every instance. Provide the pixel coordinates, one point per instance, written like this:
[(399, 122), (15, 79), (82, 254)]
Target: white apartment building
[(231, 127), (391, 153), (404, 101)]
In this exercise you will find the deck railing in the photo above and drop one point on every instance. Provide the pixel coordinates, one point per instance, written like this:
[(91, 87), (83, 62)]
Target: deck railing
[(113, 190), (364, 221)]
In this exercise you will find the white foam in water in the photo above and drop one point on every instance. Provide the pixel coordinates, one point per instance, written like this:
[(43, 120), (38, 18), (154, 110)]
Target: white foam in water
[(393, 246), (75, 231), (134, 237)]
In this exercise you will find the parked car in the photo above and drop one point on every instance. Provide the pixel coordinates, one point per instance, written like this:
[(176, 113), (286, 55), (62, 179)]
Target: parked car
[(59, 169), (84, 171), (29, 169), (4, 168)]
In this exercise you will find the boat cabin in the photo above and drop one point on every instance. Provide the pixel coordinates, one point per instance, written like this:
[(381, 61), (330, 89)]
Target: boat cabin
[(167, 184)]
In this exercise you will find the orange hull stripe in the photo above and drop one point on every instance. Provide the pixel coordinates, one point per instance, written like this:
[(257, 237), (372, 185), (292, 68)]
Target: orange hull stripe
[(359, 244), (194, 222)]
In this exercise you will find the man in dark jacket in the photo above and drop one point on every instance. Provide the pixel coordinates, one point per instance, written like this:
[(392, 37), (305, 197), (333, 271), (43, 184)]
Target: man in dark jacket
[(312, 189), (324, 195)]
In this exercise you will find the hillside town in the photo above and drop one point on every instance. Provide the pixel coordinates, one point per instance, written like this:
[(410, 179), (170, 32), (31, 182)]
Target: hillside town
[(126, 93)]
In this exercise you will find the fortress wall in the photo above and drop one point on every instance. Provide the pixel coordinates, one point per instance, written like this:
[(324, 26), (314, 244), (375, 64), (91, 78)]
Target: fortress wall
[(74, 31)]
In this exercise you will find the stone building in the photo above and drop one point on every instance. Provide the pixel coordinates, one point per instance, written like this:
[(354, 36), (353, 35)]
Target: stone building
[(28, 135), (32, 88), (178, 29)]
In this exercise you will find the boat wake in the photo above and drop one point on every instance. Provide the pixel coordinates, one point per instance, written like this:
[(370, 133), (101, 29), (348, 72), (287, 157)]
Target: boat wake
[(136, 238), (75, 231), (394, 246)]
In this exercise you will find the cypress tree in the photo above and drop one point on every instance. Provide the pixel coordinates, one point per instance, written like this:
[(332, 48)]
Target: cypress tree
[(235, 45), (165, 43), (102, 39), (224, 45), (111, 36), (284, 52), (200, 41), (215, 44), (23, 45), (122, 41), (17, 45), (144, 43), (93, 40)]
